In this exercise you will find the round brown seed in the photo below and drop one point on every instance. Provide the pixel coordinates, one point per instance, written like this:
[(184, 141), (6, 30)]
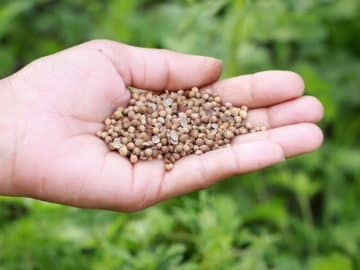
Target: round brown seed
[(171, 125), (123, 151), (134, 159), (169, 166)]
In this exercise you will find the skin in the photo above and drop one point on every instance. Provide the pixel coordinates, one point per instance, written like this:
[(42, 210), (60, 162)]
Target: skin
[(51, 109)]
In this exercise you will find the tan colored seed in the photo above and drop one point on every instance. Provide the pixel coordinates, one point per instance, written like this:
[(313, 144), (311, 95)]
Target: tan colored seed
[(243, 130), (98, 134), (238, 119), (169, 166), (123, 151), (104, 134), (145, 137), (118, 113), (162, 113), (194, 133), (134, 159), (107, 121), (209, 142), (148, 152), (228, 134), (194, 115), (199, 141), (243, 114), (179, 148), (186, 148), (138, 142), (183, 138), (130, 145), (137, 151), (142, 128), (174, 124)]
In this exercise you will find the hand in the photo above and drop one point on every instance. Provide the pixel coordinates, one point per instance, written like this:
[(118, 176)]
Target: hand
[(51, 109)]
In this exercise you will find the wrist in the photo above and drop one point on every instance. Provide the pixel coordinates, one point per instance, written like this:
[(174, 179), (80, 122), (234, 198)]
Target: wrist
[(7, 138)]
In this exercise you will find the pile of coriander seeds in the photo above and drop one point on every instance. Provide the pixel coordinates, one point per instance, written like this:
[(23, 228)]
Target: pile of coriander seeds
[(172, 125)]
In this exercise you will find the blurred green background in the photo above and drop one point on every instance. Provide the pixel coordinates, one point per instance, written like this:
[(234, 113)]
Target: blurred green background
[(303, 214)]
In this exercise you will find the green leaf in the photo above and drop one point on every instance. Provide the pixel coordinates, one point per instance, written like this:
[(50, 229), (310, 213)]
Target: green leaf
[(332, 262)]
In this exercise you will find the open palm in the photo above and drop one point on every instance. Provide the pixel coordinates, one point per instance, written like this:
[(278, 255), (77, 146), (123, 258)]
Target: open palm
[(62, 99)]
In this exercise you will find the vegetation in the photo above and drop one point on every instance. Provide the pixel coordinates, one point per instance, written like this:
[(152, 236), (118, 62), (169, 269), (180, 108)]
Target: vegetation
[(303, 214)]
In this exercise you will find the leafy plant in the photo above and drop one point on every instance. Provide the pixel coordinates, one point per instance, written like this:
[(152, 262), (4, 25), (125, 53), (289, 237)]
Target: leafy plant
[(302, 214)]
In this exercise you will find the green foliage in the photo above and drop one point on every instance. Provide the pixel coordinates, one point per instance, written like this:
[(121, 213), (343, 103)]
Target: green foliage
[(302, 214), (333, 262)]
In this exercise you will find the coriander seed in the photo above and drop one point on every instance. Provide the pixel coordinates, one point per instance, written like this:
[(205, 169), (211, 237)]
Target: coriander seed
[(172, 125)]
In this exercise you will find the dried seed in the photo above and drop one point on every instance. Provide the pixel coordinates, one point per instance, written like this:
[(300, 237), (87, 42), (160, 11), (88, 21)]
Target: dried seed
[(174, 124), (98, 134), (108, 139), (173, 137), (138, 142), (243, 130), (107, 121), (179, 148), (134, 159), (148, 152), (243, 114), (116, 143), (155, 153), (186, 148), (123, 150), (169, 166), (142, 128), (194, 133), (155, 139), (161, 120), (145, 137), (228, 134), (199, 141), (162, 113), (117, 114), (183, 120), (194, 115), (168, 102), (130, 145), (137, 151), (183, 138)]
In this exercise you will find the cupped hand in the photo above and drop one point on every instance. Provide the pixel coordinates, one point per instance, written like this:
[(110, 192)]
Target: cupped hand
[(53, 107)]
